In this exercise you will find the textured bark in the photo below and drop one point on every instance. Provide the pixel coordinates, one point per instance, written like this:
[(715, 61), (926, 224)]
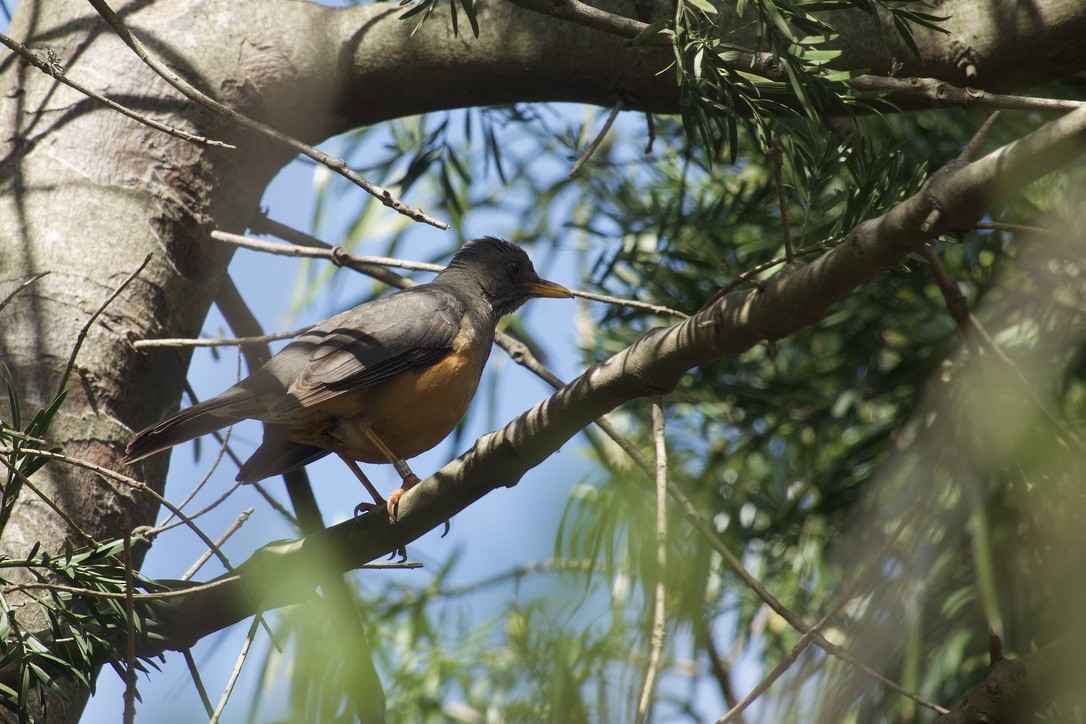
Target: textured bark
[(88, 193)]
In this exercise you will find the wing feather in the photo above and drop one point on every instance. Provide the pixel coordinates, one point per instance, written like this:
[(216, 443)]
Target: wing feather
[(366, 345)]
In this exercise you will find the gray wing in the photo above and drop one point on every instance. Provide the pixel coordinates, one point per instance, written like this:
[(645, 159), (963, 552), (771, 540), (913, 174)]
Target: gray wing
[(361, 347)]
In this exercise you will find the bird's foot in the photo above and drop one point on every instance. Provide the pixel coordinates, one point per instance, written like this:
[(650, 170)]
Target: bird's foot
[(363, 508), (409, 481)]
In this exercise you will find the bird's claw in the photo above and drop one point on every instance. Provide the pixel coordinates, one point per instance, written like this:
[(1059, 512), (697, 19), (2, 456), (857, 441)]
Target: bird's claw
[(394, 498), (363, 508)]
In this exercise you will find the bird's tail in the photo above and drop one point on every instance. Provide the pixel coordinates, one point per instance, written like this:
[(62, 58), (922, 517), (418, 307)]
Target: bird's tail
[(277, 455), (188, 424)]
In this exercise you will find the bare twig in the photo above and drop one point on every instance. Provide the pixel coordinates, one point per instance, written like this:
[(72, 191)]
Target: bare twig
[(758, 269), (218, 342), (223, 444), (958, 308), (121, 596), (86, 327), (195, 674), (657, 636), (1018, 228), (130, 620), (835, 609), (192, 93), (150, 532), (633, 303), (52, 68), (20, 288), (782, 202), (337, 255), (235, 672), (972, 149), (956, 304), (581, 13), (264, 225), (939, 94), (231, 529), (595, 144), (25, 481), (128, 482), (720, 671), (221, 439), (516, 573)]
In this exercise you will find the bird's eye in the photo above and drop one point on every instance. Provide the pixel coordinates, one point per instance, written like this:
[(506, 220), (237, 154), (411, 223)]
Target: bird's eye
[(514, 268)]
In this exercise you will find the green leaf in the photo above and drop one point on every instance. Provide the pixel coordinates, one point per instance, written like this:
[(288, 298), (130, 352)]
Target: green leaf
[(40, 423), (703, 5), (906, 36), (651, 34), (13, 400), (776, 19), (469, 10)]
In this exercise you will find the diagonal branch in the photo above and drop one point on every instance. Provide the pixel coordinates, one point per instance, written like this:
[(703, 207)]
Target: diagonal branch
[(50, 67), (798, 296), (192, 93)]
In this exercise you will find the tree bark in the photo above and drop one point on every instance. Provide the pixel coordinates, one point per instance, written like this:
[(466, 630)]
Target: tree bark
[(88, 193)]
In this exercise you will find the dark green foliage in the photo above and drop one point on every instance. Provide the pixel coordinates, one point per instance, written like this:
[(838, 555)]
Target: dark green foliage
[(19, 466), (81, 593)]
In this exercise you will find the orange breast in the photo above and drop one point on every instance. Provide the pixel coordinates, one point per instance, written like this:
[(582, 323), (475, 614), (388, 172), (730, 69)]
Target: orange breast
[(410, 413), (416, 410)]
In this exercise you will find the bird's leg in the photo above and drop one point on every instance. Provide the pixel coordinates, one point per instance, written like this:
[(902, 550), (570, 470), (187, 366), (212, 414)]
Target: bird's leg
[(377, 499), (409, 479)]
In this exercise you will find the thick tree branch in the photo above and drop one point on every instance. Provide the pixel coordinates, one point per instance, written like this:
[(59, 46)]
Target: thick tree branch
[(854, 35), (52, 68), (524, 55), (192, 93), (1014, 690), (798, 296)]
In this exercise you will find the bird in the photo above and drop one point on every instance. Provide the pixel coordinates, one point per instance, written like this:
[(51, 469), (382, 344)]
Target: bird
[(379, 383)]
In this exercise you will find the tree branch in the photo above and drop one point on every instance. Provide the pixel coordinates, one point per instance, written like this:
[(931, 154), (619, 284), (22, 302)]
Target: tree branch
[(192, 93), (1016, 689), (798, 296), (53, 69)]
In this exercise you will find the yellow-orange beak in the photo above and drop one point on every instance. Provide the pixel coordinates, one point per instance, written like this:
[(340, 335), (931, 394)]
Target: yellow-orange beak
[(543, 288)]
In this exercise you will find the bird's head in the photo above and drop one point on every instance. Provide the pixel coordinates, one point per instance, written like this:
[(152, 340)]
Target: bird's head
[(501, 272)]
